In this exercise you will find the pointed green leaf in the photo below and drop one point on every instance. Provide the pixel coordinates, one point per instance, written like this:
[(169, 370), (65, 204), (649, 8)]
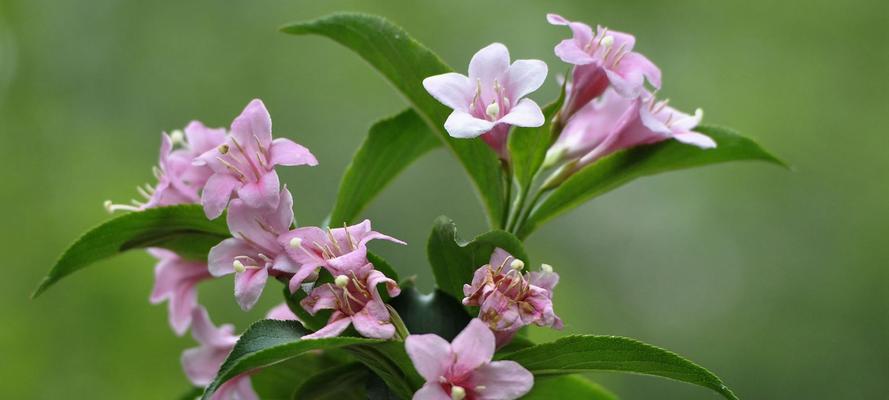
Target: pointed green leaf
[(436, 312), (344, 382), (405, 63), (454, 261), (183, 229), (624, 166), (391, 145), (269, 342), (281, 381), (527, 146), (567, 387), (582, 353), (390, 362)]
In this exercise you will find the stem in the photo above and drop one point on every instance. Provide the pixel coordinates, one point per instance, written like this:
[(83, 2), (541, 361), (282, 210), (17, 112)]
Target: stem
[(507, 173), (522, 195), (524, 218), (400, 329)]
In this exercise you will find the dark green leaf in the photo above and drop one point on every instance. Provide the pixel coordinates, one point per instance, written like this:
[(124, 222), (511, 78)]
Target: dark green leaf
[(527, 146), (381, 265), (268, 342), (622, 167), (391, 145), (436, 312), (582, 353), (405, 63), (377, 389), (280, 381), (567, 387), (183, 229), (344, 382), (389, 361), (454, 261), (517, 343)]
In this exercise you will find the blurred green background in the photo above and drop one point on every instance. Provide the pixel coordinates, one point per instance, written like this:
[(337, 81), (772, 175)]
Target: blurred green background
[(775, 280)]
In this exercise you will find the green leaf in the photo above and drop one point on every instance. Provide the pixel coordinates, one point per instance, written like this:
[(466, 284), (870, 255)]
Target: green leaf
[(454, 261), (405, 63), (437, 312), (582, 353), (391, 145), (624, 166), (383, 266), (390, 362), (268, 342), (280, 381), (377, 389), (191, 394), (344, 382), (183, 229), (567, 387), (527, 146)]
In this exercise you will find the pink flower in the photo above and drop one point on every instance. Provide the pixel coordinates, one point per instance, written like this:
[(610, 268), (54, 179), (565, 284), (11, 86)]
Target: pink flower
[(616, 123), (600, 59), (354, 298), (282, 312), (178, 180), (510, 300), (337, 249), (202, 363), (491, 97), (245, 163), (463, 368), (254, 252), (174, 280)]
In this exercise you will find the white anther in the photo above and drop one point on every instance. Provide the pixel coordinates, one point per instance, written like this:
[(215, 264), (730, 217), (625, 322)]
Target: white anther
[(341, 281), (108, 206), (239, 266), (546, 268), (479, 388), (177, 137), (223, 149), (517, 264), (493, 110), (607, 41), (458, 393), (296, 243)]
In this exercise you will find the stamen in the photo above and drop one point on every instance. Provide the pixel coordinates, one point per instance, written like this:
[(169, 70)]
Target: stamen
[(458, 393), (177, 137), (517, 264), (223, 149), (232, 168), (479, 388), (546, 268), (239, 266), (158, 173), (111, 207), (349, 236), (333, 240), (669, 120), (661, 106), (493, 110), (341, 281), (618, 58), (149, 188), (143, 193), (265, 258), (296, 243), (607, 42), (619, 50)]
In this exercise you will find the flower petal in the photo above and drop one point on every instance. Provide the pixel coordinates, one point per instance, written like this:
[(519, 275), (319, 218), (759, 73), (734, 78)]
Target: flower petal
[(237, 388), (249, 285), (288, 152), (462, 125), (282, 312), (430, 354), (696, 139), (526, 113), (474, 346), (254, 124), (451, 89), (373, 321), (431, 391), (489, 63), (333, 328), (222, 256), (262, 194), (503, 380), (524, 76), (201, 138), (216, 193)]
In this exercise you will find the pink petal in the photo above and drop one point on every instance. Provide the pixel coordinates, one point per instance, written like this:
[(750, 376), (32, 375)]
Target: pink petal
[(247, 222), (182, 303), (237, 388), (430, 354), (500, 258), (474, 346), (207, 334), (307, 252), (249, 285), (526, 113), (488, 64), (568, 51), (544, 280), (201, 138), (216, 194), (222, 256), (321, 298), (503, 380), (556, 19), (301, 274), (431, 391), (376, 277), (201, 364), (262, 194), (373, 321), (696, 139), (523, 77), (287, 152), (462, 125), (640, 64), (332, 329), (451, 89), (282, 312), (253, 124)]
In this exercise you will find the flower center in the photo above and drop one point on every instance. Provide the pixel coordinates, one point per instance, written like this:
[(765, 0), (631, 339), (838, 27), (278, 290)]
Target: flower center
[(489, 109), (603, 44)]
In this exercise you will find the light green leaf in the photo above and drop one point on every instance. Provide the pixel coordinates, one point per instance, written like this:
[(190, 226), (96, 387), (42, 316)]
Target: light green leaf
[(391, 145), (454, 261), (405, 63), (567, 387), (582, 353), (269, 342), (183, 229), (624, 166)]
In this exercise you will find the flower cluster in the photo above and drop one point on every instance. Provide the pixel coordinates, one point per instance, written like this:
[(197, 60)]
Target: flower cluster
[(509, 299)]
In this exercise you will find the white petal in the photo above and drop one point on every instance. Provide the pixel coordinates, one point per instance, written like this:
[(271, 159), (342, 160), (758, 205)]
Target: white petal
[(489, 63), (527, 113), (525, 76), (452, 89), (461, 124)]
